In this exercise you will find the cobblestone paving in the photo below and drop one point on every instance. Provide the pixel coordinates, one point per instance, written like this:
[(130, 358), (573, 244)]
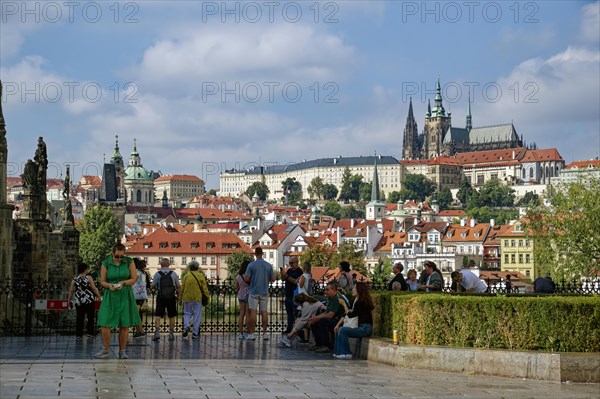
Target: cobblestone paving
[(220, 366)]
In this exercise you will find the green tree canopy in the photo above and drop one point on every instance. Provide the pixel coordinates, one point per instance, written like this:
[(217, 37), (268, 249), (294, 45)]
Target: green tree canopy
[(364, 191), (566, 234), (260, 188), (350, 186), (443, 197), (99, 232), (529, 199), (315, 189), (349, 212), (382, 271), (293, 190), (495, 194), (234, 262), (330, 192), (350, 254), (416, 187), (394, 197), (464, 191), (212, 192), (333, 209)]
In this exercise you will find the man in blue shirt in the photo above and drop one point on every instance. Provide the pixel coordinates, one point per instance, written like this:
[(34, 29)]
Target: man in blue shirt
[(258, 274)]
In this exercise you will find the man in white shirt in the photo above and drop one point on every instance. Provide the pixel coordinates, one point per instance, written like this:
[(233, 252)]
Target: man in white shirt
[(468, 281)]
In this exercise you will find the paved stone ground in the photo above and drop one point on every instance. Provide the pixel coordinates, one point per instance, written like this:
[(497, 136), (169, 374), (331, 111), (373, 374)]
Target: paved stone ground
[(220, 366)]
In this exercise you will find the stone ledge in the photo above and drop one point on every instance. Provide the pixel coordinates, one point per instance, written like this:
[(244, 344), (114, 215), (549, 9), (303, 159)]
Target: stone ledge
[(545, 366)]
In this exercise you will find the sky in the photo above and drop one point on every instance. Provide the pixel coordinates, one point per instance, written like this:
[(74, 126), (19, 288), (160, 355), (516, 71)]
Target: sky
[(208, 86)]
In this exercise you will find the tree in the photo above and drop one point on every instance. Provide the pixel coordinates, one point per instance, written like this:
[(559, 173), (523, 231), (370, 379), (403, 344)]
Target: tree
[(350, 186), (416, 187), (234, 262), (349, 253), (364, 192), (394, 197), (212, 192), (330, 192), (443, 197), (529, 199), (333, 209), (315, 189), (464, 191), (351, 212), (292, 189), (566, 234), (99, 232), (495, 194), (382, 272), (259, 188), (319, 255)]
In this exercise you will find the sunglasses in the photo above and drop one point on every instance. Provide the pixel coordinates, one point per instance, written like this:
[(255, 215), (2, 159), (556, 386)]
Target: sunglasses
[(118, 257)]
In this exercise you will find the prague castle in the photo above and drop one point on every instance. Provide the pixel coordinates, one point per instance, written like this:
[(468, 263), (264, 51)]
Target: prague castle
[(440, 138)]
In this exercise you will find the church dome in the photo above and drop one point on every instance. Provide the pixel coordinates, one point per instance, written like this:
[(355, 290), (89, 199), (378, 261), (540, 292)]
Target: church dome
[(137, 173)]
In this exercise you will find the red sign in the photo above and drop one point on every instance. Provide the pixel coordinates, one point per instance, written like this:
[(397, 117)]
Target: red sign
[(57, 304)]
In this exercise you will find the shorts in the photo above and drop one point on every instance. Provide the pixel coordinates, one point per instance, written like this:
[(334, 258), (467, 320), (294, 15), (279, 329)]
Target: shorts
[(258, 302), (169, 304), (244, 300)]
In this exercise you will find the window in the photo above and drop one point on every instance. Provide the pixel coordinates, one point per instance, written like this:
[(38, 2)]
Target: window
[(204, 260), (505, 258), (480, 180), (171, 260), (527, 258), (512, 258), (520, 258), (528, 273), (520, 243), (506, 243), (183, 260), (527, 243), (194, 244), (512, 243), (213, 260), (162, 244)]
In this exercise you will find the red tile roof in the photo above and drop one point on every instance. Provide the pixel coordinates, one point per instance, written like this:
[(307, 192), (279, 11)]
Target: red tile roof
[(591, 164), (453, 213), (491, 156), (549, 154)]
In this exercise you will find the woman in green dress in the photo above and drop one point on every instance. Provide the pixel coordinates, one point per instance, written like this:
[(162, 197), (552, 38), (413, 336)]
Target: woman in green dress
[(118, 308)]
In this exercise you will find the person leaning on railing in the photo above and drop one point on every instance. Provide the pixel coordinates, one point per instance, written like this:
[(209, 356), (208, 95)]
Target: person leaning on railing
[(434, 280)]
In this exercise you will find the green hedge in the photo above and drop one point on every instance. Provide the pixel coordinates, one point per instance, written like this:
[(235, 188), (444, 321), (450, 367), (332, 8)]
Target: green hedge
[(549, 323)]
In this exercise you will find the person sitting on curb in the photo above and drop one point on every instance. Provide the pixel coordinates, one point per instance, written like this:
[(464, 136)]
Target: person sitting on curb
[(322, 325), (310, 306), (468, 281)]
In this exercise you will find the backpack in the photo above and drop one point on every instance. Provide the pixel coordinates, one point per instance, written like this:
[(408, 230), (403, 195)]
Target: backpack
[(166, 287), (310, 287)]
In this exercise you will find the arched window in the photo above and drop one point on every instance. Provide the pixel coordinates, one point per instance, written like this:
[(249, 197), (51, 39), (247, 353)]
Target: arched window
[(138, 196), (531, 172), (547, 175)]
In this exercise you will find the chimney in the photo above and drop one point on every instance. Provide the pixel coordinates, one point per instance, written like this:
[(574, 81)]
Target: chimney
[(463, 222), (492, 222), (473, 221), (352, 223), (339, 236), (513, 154)]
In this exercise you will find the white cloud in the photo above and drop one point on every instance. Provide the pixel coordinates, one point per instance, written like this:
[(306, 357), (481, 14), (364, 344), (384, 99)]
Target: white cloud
[(590, 23)]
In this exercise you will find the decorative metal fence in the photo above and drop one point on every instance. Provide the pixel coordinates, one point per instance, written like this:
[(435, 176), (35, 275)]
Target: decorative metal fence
[(29, 307)]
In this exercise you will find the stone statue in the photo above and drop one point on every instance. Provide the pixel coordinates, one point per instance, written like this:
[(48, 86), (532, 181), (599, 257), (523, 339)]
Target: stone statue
[(29, 176), (41, 158), (67, 197)]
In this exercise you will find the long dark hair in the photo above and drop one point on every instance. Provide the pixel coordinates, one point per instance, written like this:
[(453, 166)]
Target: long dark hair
[(302, 297), (363, 294), (140, 264), (243, 267)]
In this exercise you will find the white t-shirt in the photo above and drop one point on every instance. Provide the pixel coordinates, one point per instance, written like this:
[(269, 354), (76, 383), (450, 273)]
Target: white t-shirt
[(307, 278), (472, 281)]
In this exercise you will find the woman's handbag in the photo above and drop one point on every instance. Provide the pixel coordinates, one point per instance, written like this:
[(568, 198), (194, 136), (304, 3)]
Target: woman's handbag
[(204, 297), (351, 322), (144, 307)]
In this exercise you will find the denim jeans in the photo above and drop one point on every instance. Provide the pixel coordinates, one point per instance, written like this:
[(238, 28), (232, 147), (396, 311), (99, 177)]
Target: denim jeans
[(290, 309), (342, 347), (321, 330), (192, 309)]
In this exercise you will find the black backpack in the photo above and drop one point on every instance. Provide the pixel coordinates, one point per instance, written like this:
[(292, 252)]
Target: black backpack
[(166, 287)]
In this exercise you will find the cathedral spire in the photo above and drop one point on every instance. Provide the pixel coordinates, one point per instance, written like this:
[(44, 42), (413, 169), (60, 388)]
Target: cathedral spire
[(2, 125), (410, 146), (375, 184), (469, 124), (428, 114), (438, 109), (117, 158)]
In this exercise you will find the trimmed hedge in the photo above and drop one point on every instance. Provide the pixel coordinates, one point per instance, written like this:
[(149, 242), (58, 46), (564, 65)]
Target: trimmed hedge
[(549, 323)]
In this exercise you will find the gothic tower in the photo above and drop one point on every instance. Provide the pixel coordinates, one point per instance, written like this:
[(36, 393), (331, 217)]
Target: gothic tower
[(469, 124), (117, 160), (437, 123), (410, 147), (376, 208)]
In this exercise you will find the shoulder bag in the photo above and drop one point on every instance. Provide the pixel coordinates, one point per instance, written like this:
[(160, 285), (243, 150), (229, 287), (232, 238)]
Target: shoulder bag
[(351, 322), (204, 297)]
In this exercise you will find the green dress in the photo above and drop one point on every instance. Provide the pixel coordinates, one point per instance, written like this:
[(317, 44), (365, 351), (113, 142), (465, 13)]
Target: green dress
[(118, 308)]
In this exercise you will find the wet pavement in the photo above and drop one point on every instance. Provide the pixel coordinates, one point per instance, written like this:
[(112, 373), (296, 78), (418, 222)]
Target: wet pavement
[(221, 366)]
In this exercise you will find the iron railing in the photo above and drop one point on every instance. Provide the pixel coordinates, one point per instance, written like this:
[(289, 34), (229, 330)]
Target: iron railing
[(20, 317)]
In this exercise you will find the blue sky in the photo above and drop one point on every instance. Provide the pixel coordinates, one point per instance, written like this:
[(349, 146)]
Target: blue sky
[(208, 86)]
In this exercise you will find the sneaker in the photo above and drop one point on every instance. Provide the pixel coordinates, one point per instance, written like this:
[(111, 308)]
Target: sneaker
[(90, 336), (322, 349), (348, 356), (156, 337), (138, 334), (242, 336), (285, 341), (186, 331), (195, 336), (102, 354), (171, 337), (250, 337), (123, 355), (313, 347)]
